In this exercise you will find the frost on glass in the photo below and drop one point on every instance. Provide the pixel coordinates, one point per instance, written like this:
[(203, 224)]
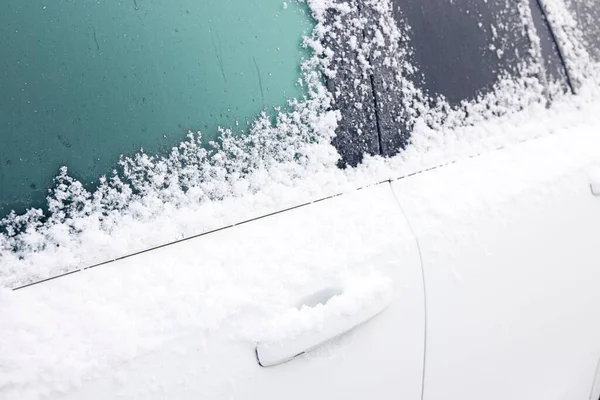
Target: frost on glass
[(82, 82), (587, 14), (574, 24), (519, 74), (341, 45), (145, 186), (381, 55)]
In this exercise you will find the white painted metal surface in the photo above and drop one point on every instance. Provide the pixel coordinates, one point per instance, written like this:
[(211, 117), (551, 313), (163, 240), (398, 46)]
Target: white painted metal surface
[(510, 308), (596, 386), (381, 359), (512, 272)]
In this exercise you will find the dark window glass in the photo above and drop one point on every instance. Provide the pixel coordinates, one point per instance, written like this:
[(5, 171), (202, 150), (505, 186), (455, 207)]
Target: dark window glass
[(553, 62), (587, 15), (460, 50), (461, 47), (350, 85)]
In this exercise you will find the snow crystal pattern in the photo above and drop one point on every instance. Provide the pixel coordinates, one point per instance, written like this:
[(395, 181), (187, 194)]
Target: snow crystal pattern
[(151, 200)]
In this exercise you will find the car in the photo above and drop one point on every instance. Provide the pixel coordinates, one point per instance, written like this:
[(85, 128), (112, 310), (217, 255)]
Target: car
[(411, 213)]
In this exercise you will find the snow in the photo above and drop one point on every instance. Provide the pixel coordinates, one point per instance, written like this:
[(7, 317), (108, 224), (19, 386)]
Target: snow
[(154, 298), (367, 290), (240, 283), (53, 340), (156, 200), (571, 40)]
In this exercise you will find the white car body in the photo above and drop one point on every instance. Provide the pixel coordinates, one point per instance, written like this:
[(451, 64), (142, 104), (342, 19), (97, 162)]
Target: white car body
[(493, 264), (465, 267)]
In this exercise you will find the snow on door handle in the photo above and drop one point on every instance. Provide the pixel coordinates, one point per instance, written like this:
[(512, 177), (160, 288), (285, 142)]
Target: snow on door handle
[(320, 323)]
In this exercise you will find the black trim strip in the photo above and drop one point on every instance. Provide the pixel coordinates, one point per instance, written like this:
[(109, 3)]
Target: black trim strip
[(377, 114)]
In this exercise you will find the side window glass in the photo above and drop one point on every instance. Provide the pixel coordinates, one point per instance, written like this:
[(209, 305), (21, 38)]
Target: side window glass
[(464, 52), (82, 82), (462, 47), (553, 62), (587, 15)]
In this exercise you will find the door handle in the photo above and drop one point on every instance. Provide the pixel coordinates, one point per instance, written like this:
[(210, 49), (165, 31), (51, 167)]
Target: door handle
[(333, 323)]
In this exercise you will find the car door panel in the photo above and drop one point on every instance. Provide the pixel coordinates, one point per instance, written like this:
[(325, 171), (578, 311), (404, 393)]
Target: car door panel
[(183, 321), (509, 246)]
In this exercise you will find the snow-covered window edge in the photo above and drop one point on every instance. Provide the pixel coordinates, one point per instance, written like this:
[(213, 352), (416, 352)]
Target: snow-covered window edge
[(155, 200)]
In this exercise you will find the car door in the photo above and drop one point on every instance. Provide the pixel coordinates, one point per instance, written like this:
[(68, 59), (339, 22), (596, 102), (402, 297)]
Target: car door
[(187, 320), (510, 253), (507, 238)]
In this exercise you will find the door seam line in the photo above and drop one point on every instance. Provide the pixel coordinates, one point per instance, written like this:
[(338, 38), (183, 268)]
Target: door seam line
[(424, 282)]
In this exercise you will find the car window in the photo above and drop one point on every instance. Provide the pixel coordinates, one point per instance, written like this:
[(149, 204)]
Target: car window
[(587, 15), (458, 52), (553, 62), (461, 47), (82, 82)]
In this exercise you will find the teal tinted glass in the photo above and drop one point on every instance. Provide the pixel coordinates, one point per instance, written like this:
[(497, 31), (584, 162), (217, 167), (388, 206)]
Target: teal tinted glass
[(84, 81)]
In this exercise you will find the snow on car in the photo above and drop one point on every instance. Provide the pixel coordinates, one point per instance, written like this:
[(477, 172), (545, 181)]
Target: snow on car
[(418, 221)]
